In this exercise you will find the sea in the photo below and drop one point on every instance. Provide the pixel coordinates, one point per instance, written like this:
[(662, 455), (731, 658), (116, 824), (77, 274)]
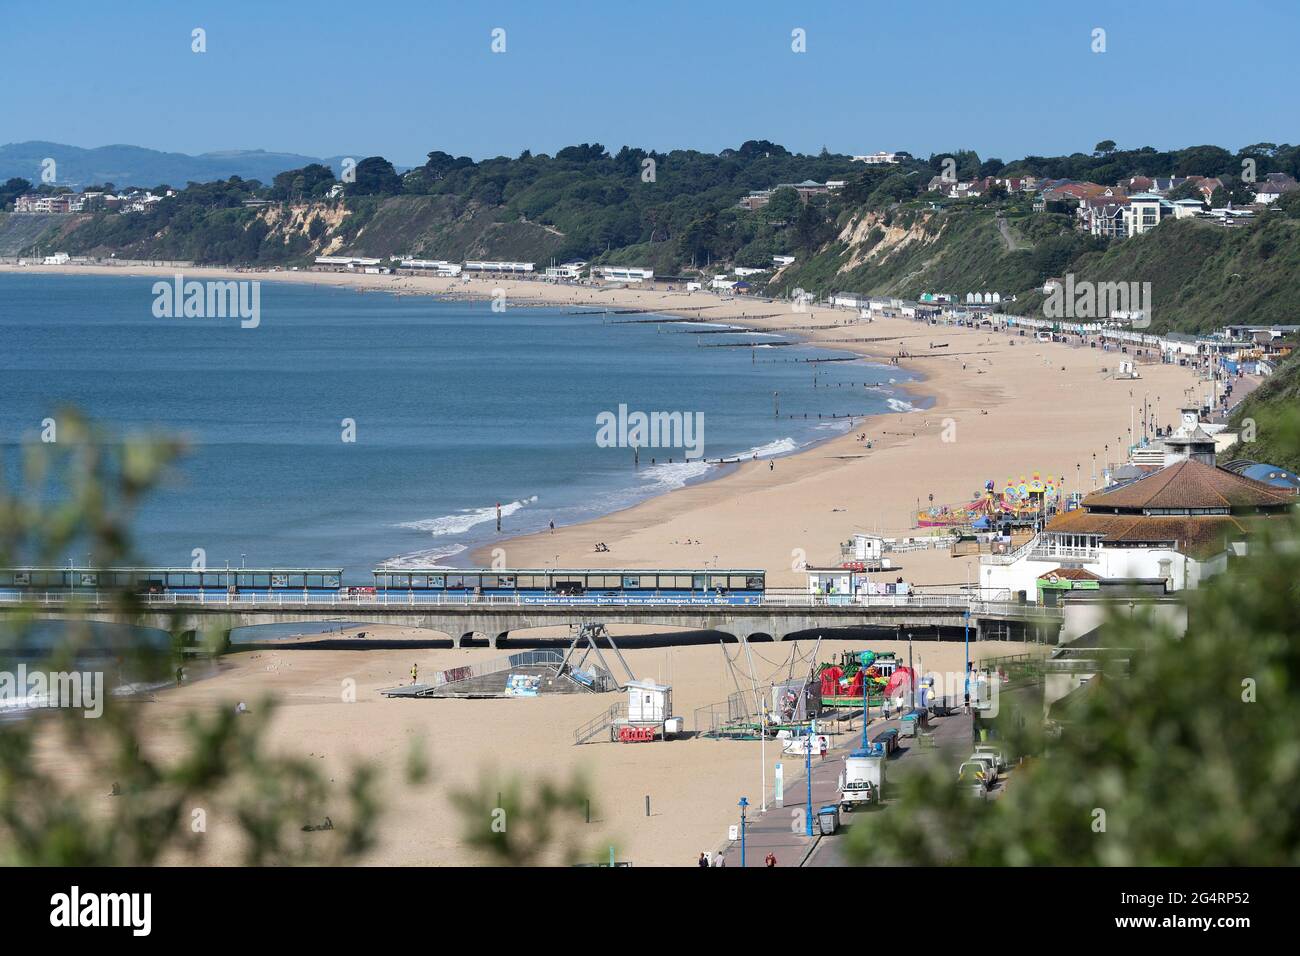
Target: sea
[(352, 429)]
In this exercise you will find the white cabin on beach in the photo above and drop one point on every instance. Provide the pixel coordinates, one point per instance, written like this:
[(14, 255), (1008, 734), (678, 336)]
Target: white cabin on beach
[(648, 702)]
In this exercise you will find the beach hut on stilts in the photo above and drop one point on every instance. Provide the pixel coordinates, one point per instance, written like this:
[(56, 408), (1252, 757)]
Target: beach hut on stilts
[(645, 713)]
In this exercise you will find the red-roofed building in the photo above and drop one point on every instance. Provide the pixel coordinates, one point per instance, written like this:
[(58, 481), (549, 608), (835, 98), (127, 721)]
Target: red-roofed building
[(1178, 525)]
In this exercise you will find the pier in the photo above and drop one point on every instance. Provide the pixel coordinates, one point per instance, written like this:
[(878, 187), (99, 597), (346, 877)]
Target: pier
[(468, 622)]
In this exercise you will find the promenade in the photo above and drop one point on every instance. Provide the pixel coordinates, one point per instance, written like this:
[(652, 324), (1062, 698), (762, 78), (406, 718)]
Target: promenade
[(781, 831)]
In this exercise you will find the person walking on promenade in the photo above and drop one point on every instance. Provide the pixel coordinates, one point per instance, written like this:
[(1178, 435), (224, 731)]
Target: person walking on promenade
[(704, 858), (770, 860)]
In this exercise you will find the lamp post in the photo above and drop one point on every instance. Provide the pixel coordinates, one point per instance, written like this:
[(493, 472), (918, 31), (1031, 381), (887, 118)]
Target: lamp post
[(808, 822), (966, 673), (762, 755), (911, 683), (866, 711), (743, 804)]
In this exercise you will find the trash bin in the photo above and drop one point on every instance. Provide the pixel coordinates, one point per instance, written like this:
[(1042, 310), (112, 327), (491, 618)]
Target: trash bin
[(828, 819)]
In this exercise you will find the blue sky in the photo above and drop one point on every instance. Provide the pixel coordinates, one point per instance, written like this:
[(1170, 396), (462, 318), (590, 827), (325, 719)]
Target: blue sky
[(351, 78)]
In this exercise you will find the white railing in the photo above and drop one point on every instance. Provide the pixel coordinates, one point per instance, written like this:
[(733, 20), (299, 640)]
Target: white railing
[(1013, 556), (998, 602), (1051, 552), (921, 544)]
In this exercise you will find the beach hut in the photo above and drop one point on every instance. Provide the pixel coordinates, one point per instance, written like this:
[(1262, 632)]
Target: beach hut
[(648, 702)]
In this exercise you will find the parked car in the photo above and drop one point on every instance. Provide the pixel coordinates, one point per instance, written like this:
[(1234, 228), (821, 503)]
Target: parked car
[(973, 777), (991, 764), (993, 751)]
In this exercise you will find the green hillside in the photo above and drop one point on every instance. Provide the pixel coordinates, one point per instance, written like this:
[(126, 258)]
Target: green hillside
[(880, 232), (1204, 276), (919, 247), (1274, 410)]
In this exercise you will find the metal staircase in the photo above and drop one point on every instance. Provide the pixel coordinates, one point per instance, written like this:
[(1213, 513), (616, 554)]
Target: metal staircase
[(600, 722)]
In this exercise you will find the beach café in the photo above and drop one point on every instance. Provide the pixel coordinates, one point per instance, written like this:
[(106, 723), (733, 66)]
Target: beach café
[(849, 584)]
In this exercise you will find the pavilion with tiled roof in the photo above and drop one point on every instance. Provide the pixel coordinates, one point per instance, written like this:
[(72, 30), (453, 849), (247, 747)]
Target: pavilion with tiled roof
[(1174, 527), (1189, 506)]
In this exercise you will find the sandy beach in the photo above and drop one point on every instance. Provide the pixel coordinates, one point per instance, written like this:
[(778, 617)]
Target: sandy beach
[(488, 745), (1002, 406)]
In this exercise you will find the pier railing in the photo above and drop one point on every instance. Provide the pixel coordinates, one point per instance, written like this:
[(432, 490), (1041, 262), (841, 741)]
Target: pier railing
[(343, 602)]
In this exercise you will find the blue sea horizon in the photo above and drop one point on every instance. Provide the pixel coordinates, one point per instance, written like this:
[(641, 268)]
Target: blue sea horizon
[(453, 409)]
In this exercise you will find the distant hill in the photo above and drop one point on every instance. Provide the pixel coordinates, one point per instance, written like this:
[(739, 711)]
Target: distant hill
[(137, 166), (878, 230)]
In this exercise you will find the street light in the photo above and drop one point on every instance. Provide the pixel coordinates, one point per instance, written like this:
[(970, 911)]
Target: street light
[(866, 707), (808, 822), (743, 804), (966, 673)]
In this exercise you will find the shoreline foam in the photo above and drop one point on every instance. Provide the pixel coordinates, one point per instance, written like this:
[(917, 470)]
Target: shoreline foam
[(1011, 410)]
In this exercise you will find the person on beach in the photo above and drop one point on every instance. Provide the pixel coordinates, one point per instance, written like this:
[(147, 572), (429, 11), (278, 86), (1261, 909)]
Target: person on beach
[(771, 465), (552, 527), (415, 672)]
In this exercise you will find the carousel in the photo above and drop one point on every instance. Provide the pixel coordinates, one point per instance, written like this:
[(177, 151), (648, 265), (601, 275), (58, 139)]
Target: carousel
[(1018, 503)]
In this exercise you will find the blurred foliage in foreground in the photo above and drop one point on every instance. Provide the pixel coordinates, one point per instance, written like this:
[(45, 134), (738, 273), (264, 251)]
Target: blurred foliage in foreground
[(77, 791), (527, 823), (1192, 759), (87, 792)]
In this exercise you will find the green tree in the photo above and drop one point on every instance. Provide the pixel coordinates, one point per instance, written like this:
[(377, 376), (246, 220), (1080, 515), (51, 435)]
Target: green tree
[(125, 806), (12, 189), (1189, 759), (697, 241), (375, 176), (1185, 190), (782, 206)]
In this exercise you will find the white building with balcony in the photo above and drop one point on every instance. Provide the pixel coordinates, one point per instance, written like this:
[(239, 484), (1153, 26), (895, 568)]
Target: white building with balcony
[(625, 274), (1178, 525), (878, 159), (1144, 212)]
